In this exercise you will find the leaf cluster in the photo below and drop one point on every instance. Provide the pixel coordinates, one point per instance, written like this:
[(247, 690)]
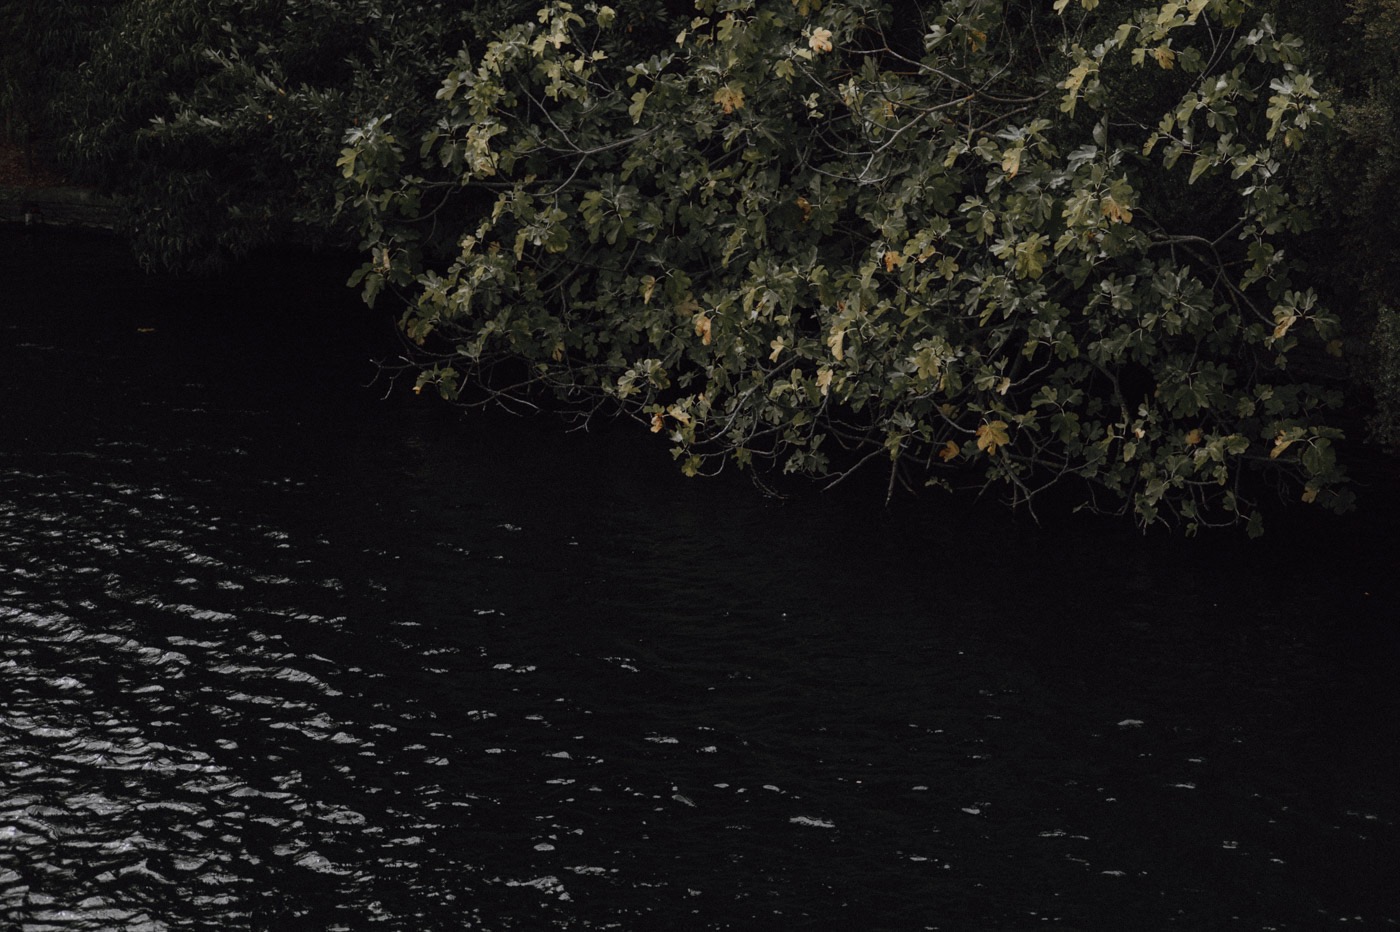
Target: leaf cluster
[(1037, 249)]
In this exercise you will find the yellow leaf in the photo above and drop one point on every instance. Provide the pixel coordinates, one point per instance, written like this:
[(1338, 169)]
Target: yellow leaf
[(893, 260), (820, 40), (992, 435), (1309, 495), (837, 343), (1281, 443), (679, 414), (1004, 385), (778, 347), (824, 380), (1283, 324), (657, 422), (1074, 83), (558, 354), (1011, 160), (648, 286), (1165, 57), (805, 206), (702, 328), (1194, 437), (976, 38), (1115, 211), (950, 450), (730, 98)]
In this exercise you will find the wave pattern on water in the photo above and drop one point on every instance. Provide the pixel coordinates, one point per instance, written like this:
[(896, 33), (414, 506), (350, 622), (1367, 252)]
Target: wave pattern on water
[(274, 662)]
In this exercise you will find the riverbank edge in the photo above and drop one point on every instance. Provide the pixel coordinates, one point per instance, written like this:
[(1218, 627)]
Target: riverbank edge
[(62, 207)]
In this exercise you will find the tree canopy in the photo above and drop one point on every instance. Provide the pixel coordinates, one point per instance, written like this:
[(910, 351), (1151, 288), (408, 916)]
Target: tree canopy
[(795, 236), (969, 243)]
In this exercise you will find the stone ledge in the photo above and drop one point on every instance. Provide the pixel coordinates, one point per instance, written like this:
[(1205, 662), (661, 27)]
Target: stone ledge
[(60, 207)]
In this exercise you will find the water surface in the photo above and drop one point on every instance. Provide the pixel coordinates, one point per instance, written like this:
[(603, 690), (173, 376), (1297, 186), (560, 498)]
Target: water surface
[(278, 654)]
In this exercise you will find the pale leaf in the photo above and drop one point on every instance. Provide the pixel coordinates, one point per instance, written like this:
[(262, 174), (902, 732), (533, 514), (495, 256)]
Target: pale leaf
[(837, 343), (992, 435), (1011, 161), (730, 98)]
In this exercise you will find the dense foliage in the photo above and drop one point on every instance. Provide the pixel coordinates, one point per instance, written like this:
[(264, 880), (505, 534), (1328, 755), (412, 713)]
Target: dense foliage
[(43, 38), (1357, 168), (1021, 244), (218, 122), (1026, 247)]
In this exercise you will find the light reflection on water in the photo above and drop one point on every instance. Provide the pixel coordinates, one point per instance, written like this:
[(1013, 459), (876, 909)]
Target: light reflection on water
[(278, 657)]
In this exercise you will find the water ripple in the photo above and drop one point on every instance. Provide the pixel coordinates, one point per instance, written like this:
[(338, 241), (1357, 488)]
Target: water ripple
[(266, 665)]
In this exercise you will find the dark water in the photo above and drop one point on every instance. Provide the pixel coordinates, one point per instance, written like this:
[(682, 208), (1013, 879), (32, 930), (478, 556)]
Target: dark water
[(275, 654)]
